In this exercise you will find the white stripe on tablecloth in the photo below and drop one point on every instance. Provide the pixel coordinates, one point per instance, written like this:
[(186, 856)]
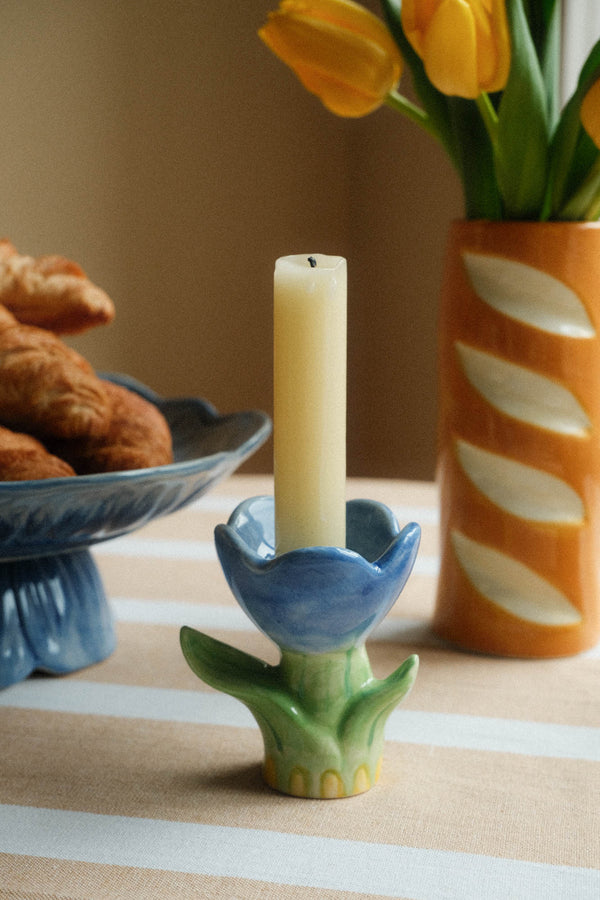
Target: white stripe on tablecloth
[(280, 858), (164, 548), (544, 739), (232, 618), (159, 548)]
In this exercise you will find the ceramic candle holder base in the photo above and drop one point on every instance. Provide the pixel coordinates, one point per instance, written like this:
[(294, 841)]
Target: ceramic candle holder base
[(321, 711)]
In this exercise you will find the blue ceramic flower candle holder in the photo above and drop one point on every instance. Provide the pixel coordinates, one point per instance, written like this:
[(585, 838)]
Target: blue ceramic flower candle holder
[(321, 711)]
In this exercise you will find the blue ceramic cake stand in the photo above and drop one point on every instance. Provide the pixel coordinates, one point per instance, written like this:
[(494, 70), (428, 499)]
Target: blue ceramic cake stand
[(54, 615)]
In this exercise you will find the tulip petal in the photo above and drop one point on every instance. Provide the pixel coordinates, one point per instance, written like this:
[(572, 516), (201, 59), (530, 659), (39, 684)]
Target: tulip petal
[(464, 44), (329, 60), (450, 50), (346, 16), (339, 51), (590, 112), (486, 51), (338, 97)]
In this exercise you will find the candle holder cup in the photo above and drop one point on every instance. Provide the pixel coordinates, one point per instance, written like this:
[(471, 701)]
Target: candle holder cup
[(321, 711)]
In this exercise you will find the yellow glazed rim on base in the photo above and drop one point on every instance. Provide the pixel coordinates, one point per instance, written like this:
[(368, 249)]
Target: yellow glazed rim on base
[(328, 785)]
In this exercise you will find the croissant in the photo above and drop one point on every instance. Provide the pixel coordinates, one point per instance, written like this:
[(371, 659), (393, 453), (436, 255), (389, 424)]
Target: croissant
[(138, 437), (51, 292), (46, 387), (22, 457)]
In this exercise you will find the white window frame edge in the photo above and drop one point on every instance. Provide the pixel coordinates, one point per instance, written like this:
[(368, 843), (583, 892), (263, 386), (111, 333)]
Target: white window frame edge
[(581, 30)]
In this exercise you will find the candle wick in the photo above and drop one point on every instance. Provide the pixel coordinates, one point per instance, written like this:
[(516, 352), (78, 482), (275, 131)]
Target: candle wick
[(312, 261)]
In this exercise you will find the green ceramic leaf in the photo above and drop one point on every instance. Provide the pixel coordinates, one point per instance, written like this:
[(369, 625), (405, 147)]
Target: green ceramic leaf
[(259, 687), (370, 708), (319, 714), (221, 666)]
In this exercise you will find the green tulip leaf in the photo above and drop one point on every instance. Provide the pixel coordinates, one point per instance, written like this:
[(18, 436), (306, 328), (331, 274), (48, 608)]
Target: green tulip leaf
[(544, 20), (523, 130)]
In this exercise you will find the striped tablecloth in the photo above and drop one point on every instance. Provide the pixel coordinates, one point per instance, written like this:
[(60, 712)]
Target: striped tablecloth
[(132, 779)]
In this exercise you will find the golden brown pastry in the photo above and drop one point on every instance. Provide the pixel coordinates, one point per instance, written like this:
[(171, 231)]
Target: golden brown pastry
[(47, 388), (138, 437), (51, 292), (22, 457)]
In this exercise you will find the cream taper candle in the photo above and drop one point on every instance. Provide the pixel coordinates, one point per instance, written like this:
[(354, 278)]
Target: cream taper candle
[(309, 431)]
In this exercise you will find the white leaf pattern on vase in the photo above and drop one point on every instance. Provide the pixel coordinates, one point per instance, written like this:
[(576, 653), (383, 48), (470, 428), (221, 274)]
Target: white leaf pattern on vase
[(528, 295), (523, 394), (513, 586), (519, 489)]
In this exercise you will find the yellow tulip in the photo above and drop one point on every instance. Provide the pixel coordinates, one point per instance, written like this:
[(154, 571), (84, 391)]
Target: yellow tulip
[(590, 112), (464, 44), (339, 50)]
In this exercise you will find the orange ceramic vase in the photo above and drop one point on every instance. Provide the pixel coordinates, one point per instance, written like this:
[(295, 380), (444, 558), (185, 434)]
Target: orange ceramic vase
[(519, 453)]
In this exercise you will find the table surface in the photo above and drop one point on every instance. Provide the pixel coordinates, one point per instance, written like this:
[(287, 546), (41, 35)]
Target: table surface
[(133, 779)]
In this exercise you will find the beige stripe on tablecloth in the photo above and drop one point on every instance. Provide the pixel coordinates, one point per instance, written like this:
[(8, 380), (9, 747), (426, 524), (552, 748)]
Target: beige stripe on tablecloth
[(189, 580), (190, 773), (28, 877)]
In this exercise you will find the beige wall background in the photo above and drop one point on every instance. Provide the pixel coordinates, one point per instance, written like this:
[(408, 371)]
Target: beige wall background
[(162, 146)]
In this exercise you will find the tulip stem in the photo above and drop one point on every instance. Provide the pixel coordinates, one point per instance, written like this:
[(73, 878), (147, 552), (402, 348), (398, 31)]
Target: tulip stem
[(489, 116), (417, 115)]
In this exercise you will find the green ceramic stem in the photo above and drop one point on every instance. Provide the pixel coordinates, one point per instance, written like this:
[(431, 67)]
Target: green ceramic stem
[(315, 759), (322, 716), (323, 683)]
